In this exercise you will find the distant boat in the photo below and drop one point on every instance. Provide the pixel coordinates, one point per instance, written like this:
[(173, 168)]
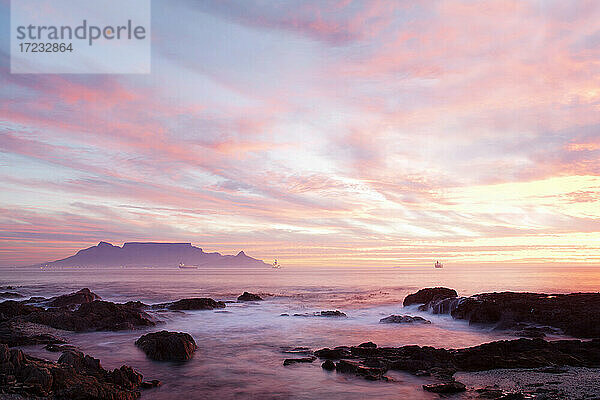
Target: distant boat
[(183, 266), (439, 264), (276, 264)]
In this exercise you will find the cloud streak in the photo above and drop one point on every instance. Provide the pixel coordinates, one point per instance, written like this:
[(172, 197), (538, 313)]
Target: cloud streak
[(372, 132)]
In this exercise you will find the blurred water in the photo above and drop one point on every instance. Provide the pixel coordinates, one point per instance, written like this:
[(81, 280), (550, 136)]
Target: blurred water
[(240, 351)]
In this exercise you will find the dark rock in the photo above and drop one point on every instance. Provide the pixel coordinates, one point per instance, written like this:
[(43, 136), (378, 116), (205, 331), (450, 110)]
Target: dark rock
[(249, 297), (76, 376), (333, 354), (290, 361), (443, 363), (80, 361), (81, 296), (364, 351), (297, 350), (575, 314), (446, 387), (136, 304), (167, 346), (95, 316), (427, 295), (347, 366), (284, 315), (403, 319), (198, 303), (369, 345), (10, 309), (328, 365), (151, 384), (21, 333), (10, 295), (56, 348), (334, 314)]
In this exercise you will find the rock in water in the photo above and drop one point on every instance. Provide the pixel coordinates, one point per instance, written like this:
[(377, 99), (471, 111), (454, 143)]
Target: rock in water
[(403, 319), (167, 346), (246, 296), (197, 303), (330, 313), (290, 361), (368, 345), (427, 295), (84, 295), (98, 315), (75, 376), (576, 314), (446, 387), (328, 365)]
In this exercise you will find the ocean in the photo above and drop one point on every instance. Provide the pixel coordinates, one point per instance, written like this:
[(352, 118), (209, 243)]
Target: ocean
[(240, 348)]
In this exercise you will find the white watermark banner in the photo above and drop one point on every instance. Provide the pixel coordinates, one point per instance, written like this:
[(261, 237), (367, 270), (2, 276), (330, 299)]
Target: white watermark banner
[(80, 36)]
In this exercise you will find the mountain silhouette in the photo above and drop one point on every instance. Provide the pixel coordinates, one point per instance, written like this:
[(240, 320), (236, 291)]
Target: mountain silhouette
[(151, 254)]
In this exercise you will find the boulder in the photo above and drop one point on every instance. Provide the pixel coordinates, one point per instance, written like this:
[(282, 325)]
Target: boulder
[(95, 316), (331, 314), (167, 346), (368, 345), (290, 361), (403, 319), (427, 295), (198, 303), (84, 295), (333, 354), (246, 296), (575, 314), (75, 376), (328, 365)]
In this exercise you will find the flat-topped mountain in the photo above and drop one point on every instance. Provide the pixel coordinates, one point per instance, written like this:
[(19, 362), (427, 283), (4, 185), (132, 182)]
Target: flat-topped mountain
[(152, 254)]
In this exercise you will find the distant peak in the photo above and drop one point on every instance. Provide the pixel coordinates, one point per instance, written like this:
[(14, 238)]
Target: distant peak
[(105, 244), (241, 254)]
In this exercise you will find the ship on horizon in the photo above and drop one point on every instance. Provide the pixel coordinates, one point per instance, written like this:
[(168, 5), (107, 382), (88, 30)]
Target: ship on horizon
[(183, 266), (438, 264)]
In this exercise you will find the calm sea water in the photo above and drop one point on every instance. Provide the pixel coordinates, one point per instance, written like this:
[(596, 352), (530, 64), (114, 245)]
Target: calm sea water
[(240, 351)]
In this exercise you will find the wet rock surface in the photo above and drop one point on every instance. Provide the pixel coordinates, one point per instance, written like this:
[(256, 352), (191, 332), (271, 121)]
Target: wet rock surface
[(198, 303), (403, 319), (84, 295), (427, 295), (330, 314), (290, 361), (575, 314), (98, 315), (23, 333), (74, 376), (528, 314), (24, 324), (374, 362), (10, 295), (167, 346), (246, 296)]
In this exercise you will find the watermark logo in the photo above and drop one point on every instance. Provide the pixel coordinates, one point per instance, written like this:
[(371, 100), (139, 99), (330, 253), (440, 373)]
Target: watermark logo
[(80, 36)]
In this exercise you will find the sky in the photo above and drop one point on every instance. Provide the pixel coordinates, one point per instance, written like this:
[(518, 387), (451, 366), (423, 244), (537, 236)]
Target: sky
[(321, 133)]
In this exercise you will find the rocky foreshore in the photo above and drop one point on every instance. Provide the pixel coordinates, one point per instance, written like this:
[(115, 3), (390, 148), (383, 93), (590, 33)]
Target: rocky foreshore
[(39, 320), (74, 376), (529, 314), (371, 362)]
